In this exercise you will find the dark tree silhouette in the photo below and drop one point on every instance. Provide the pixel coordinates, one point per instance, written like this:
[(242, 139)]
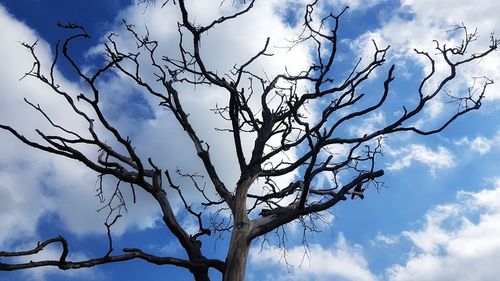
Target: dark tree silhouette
[(276, 126)]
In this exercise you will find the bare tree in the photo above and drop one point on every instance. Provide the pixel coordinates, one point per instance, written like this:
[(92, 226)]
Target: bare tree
[(271, 109)]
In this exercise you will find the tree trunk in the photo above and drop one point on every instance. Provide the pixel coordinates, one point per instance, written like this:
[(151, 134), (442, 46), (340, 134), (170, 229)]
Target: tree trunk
[(236, 259), (201, 275)]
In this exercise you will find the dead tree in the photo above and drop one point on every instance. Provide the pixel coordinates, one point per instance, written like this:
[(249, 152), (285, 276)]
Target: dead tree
[(276, 126)]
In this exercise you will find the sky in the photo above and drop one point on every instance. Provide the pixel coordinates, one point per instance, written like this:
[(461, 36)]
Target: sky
[(436, 218)]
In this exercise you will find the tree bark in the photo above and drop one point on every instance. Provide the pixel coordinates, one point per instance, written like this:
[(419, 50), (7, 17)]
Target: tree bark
[(236, 259), (237, 255)]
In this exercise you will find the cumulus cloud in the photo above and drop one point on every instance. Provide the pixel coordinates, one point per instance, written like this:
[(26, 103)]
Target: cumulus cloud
[(225, 47), (228, 45), (415, 24), (340, 262), (34, 185), (458, 241), (56, 186), (22, 203)]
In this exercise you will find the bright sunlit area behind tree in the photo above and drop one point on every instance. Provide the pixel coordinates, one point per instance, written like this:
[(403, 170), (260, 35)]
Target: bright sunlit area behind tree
[(249, 140)]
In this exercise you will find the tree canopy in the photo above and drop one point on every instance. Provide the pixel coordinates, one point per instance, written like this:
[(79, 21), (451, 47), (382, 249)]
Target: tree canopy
[(290, 141)]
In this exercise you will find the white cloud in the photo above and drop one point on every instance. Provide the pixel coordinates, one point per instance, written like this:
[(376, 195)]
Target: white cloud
[(415, 25), (32, 183), (480, 144), (433, 235), (369, 124), (458, 241), (56, 186), (71, 188), (434, 159), (355, 4), (54, 253), (228, 45), (341, 262), (22, 202), (386, 239)]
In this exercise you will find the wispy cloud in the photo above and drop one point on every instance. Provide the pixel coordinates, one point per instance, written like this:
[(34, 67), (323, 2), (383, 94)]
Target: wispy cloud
[(435, 159), (385, 239), (480, 144)]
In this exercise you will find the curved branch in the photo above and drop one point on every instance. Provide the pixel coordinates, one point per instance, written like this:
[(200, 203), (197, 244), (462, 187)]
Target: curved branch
[(129, 254)]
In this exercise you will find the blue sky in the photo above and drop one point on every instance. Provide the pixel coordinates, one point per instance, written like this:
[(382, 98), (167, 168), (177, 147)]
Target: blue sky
[(437, 218)]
